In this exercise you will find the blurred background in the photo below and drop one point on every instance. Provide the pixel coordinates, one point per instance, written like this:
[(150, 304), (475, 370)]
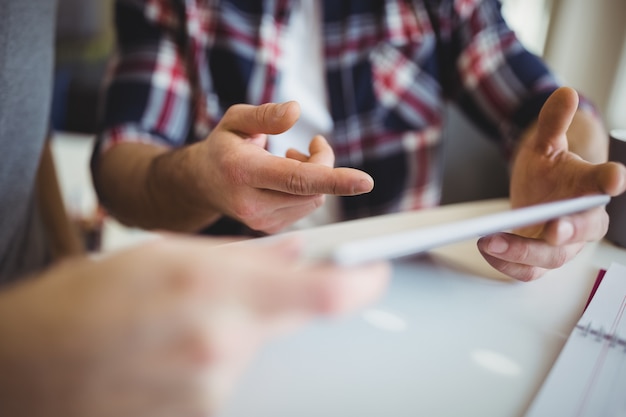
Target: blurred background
[(84, 42), (583, 41)]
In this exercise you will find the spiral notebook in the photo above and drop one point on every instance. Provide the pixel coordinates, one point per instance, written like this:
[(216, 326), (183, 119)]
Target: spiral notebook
[(589, 377)]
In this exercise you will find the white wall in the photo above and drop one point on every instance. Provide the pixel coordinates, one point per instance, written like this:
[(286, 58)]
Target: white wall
[(586, 45), (616, 113), (529, 19)]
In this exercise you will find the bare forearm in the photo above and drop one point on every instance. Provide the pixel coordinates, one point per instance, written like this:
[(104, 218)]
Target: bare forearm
[(150, 187)]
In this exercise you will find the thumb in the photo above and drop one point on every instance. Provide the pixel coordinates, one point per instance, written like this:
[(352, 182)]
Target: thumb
[(554, 120), (267, 118)]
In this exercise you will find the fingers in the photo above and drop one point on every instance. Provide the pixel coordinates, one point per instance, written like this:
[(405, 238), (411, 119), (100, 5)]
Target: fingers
[(347, 289), (526, 258), (299, 174), (269, 277), (584, 227), (297, 155), (268, 281), (554, 120), (267, 118), (522, 258), (611, 178), (320, 153), (303, 178), (245, 289), (278, 282), (322, 289), (586, 178)]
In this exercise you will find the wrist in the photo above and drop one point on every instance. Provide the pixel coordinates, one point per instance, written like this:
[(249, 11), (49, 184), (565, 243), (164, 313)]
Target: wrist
[(176, 188)]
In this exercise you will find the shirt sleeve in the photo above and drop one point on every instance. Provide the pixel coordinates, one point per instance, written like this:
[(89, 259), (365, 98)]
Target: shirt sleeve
[(147, 94), (500, 85)]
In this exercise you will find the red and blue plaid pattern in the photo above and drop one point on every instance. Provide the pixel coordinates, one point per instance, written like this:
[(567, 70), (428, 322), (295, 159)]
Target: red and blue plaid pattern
[(181, 63)]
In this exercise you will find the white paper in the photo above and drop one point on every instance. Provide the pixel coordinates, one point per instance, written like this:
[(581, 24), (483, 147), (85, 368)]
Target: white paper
[(589, 376)]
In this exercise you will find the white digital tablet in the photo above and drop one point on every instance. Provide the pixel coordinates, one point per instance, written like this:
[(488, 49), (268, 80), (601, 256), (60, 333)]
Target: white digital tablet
[(416, 240)]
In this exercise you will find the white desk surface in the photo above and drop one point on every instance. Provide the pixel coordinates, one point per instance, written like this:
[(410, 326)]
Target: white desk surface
[(451, 337)]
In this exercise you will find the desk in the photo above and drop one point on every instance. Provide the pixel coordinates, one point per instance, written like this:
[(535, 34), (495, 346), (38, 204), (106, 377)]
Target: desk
[(451, 337)]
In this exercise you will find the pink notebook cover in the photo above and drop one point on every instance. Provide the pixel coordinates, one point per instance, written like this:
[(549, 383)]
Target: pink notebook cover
[(595, 286)]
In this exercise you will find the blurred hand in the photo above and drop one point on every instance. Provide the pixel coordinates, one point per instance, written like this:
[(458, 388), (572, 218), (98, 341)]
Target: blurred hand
[(267, 192), (545, 170), (159, 330)]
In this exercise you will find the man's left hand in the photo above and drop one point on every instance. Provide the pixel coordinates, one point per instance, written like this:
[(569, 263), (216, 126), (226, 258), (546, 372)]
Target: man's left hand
[(546, 170)]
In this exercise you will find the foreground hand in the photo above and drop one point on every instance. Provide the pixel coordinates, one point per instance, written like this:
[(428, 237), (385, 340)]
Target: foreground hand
[(545, 170), (160, 330), (264, 191)]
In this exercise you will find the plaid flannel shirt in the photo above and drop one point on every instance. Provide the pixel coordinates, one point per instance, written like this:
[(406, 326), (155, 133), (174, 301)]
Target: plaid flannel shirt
[(181, 63)]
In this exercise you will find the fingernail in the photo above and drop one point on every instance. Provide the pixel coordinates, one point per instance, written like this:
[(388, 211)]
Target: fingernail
[(364, 186), (565, 230), (497, 245)]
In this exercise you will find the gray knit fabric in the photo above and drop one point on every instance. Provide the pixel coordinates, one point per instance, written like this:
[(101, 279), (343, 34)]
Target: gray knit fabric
[(26, 68)]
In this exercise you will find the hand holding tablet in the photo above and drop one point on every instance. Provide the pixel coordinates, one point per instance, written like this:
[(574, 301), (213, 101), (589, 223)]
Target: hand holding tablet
[(418, 240)]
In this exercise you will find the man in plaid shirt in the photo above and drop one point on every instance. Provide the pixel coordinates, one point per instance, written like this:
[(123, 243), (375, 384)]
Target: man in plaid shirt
[(178, 150)]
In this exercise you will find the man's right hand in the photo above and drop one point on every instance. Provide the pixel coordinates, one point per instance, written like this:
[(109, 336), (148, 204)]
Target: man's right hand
[(267, 192), (229, 173)]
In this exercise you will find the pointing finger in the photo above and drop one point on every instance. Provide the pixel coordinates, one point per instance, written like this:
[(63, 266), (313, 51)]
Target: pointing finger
[(303, 178)]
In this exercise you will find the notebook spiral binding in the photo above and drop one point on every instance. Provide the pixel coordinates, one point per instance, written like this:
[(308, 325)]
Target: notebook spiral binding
[(600, 335)]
